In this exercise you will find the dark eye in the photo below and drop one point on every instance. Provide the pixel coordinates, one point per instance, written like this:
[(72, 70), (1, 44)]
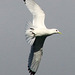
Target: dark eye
[(56, 30)]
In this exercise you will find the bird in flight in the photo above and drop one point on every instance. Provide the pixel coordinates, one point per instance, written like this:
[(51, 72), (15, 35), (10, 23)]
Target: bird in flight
[(36, 34)]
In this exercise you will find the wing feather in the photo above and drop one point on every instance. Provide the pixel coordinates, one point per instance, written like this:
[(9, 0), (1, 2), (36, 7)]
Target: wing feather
[(37, 12), (36, 54)]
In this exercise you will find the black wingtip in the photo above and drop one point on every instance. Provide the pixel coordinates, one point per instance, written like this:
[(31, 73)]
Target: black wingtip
[(24, 0), (31, 72)]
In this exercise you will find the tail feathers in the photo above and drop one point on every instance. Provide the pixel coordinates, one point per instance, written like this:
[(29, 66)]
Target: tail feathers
[(30, 36), (30, 39)]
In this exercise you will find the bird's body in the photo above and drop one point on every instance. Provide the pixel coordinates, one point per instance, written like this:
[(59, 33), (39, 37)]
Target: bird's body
[(36, 35), (40, 31)]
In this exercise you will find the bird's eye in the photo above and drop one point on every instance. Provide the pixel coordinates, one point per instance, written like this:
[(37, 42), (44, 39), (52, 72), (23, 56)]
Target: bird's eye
[(56, 30)]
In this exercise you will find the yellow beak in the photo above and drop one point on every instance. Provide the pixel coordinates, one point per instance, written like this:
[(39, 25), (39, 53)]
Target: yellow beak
[(59, 33)]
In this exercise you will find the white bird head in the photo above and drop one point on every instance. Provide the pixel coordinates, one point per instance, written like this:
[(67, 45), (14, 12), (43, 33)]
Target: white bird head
[(55, 31)]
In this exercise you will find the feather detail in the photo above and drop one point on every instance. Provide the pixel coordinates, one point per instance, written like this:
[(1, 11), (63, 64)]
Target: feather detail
[(30, 35), (35, 54)]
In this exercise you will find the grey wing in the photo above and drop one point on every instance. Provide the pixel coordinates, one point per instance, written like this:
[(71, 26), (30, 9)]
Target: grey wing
[(35, 55)]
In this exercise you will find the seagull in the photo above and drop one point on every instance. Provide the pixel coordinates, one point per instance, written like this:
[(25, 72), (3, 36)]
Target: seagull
[(36, 34)]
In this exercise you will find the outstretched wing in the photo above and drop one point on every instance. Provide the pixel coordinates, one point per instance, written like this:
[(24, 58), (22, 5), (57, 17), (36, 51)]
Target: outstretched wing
[(35, 54), (37, 12)]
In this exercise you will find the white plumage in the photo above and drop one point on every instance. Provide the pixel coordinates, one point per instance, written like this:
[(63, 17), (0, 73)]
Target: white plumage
[(36, 35)]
